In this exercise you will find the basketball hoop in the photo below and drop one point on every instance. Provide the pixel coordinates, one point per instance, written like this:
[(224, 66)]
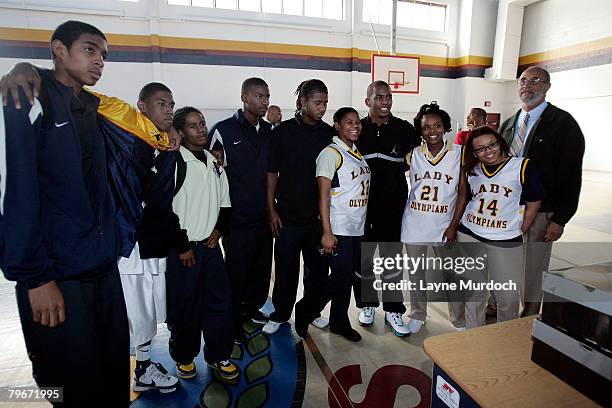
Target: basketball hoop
[(400, 72)]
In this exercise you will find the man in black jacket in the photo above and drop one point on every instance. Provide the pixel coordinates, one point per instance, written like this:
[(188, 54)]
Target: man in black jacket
[(384, 142), (552, 139)]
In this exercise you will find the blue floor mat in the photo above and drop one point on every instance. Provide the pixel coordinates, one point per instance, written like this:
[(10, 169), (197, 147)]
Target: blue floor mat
[(272, 374)]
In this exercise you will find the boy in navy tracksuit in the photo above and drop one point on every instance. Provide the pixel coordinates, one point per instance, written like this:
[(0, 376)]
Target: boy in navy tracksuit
[(245, 140), (59, 240)]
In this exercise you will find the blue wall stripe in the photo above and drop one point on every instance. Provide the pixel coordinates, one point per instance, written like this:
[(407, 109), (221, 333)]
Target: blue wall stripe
[(213, 58)]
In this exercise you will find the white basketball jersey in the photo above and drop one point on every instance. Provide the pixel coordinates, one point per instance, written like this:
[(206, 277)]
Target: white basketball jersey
[(349, 193), (495, 211), (434, 183)]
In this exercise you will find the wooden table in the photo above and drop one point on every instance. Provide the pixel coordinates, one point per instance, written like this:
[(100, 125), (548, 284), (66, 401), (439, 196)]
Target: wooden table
[(492, 365)]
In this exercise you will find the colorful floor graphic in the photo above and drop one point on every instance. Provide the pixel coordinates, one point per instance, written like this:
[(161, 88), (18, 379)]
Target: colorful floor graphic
[(382, 386), (272, 375)]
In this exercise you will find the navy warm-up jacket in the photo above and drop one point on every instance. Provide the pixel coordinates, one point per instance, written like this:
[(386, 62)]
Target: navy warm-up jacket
[(49, 229), (246, 155)]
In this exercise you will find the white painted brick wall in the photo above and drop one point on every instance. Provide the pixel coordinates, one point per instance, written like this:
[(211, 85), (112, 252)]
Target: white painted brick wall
[(551, 24)]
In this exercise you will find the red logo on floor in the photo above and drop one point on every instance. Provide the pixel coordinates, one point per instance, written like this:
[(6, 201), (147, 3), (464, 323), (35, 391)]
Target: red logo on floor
[(382, 388)]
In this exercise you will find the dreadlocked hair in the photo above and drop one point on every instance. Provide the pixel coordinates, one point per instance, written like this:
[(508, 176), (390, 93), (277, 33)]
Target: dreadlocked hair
[(306, 89), (432, 109)]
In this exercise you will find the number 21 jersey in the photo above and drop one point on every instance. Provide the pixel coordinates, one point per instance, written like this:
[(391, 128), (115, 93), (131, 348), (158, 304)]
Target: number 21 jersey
[(433, 193)]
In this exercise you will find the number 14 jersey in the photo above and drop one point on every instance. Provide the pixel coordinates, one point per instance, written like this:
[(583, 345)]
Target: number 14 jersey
[(495, 211)]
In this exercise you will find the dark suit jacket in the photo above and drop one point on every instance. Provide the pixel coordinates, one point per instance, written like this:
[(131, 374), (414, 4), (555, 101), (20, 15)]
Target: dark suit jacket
[(556, 146)]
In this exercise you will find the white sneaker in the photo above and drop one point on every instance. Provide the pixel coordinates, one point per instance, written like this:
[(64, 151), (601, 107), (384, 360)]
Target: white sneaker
[(155, 377), (366, 316), (320, 322), (396, 323), (271, 327), (460, 329), (414, 325)]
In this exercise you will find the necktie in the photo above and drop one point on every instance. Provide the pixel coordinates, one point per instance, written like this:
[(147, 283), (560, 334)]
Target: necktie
[(517, 142)]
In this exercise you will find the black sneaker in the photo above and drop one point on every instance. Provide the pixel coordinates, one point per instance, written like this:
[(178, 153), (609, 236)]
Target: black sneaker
[(226, 369), (186, 371), (491, 310), (348, 333), (240, 338), (259, 318), (301, 328), (301, 322)]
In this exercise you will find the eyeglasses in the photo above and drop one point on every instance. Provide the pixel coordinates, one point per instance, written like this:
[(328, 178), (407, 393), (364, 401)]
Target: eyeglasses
[(482, 149), (532, 81)]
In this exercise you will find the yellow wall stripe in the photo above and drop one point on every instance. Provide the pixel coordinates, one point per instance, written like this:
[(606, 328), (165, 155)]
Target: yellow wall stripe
[(565, 52), (131, 40), (24, 34)]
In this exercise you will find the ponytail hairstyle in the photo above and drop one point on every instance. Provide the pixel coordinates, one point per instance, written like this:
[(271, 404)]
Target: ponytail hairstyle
[(306, 89), (432, 109), (470, 158)]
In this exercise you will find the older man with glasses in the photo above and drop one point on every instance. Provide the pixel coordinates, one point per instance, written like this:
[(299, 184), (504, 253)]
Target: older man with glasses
[(552, 139)]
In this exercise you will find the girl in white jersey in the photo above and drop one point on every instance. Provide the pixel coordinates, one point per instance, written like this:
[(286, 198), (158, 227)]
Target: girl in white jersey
[(501, 195), (434, 180), (343, 177)]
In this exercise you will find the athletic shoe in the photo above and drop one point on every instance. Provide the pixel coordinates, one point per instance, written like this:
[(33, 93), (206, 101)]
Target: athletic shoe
[(460, 329), (226, 369), (491, 310), (155, 377), (240, 337), (348, 333), (301, 322), (396, 323), (320, 322), (271, 327), (259, 318), (186, 371), (414, 325), (301, 327), (366, 316)]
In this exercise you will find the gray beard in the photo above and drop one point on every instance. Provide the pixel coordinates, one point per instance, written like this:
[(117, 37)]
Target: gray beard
[(533, 99)]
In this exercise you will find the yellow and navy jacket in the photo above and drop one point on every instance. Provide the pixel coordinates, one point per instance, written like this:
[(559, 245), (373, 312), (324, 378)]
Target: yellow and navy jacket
[(141, 174), (49, 229)]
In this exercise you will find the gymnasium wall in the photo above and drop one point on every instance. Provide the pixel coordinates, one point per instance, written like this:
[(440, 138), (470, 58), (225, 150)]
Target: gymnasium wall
[(204, 54), (573, 40)]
